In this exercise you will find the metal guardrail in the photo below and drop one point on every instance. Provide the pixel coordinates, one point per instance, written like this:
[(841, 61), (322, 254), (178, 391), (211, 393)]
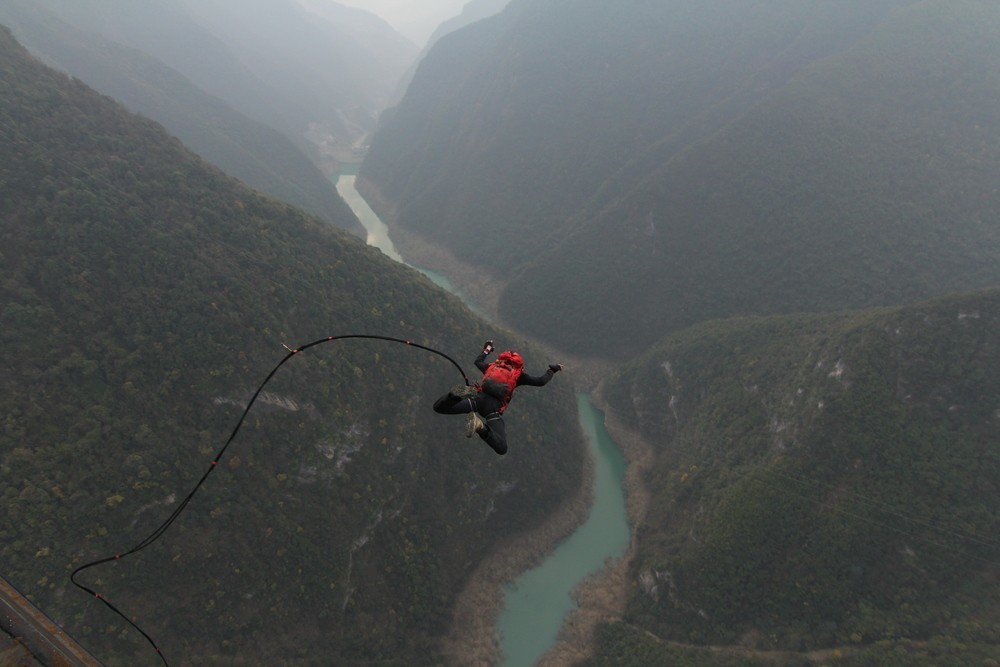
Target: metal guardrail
[(40, 638)]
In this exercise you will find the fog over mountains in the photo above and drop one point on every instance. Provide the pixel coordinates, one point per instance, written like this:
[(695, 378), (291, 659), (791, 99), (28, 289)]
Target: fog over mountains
[(145, 293), (648, 167), (764, 235), (318, 72), (610, 175)]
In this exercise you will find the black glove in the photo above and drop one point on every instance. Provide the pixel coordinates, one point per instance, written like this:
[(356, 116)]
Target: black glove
[(487, 347), (555, 368)]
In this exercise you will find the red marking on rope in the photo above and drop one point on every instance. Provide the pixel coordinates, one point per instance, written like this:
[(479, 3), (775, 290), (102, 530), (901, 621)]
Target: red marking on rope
[(170, 520)]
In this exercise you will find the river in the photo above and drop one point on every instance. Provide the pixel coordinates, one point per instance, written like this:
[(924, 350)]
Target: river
[(538, 601), (378, 235)]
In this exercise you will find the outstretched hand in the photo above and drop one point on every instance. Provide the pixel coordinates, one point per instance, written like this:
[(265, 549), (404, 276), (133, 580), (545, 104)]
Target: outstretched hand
[(487, 347), (555, 368)]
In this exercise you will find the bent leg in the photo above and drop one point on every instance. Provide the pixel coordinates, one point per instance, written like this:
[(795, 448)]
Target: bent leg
[(495, 433), (452, 405)]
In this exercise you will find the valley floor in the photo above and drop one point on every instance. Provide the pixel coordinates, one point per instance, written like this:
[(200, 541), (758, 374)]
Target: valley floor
[(472, 641), (602, 598)]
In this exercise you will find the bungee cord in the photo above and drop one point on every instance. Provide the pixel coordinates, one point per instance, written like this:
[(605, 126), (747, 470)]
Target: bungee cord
[(182, 505)]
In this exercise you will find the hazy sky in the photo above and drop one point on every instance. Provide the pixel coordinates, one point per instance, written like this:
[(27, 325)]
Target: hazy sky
[(416, 19)]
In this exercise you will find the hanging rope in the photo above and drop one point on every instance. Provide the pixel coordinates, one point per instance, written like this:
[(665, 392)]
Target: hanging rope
[(159, 531)]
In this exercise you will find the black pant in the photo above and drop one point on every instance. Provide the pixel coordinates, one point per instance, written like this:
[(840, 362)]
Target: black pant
[(495, 433)]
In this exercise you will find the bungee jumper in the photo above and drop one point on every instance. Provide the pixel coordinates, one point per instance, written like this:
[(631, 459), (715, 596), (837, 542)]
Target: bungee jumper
[(486, 402)]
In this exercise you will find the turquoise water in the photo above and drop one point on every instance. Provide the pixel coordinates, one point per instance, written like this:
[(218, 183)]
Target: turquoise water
[(378, 234), (537, 603)]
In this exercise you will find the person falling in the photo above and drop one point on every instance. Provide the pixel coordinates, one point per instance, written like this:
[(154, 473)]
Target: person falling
[(486, 402)]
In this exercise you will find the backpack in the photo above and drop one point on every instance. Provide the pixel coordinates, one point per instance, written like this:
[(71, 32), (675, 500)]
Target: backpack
[(500, 378)]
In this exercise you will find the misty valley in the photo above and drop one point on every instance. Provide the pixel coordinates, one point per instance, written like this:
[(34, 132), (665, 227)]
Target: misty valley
[(252, 249), (536, 604)]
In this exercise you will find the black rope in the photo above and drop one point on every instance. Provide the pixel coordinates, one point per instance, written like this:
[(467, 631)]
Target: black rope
[(158, 533)]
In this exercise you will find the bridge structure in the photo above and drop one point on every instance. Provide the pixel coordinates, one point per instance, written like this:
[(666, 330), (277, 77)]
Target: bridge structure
[(29, 638)]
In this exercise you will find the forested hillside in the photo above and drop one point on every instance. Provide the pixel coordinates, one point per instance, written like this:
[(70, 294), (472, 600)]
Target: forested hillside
[(298, 71), (144, 296), (472, 11), (640, 167), (258, 155), (819, 482)]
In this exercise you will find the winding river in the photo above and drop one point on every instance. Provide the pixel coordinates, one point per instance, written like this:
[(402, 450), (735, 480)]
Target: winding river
[(537, 602)]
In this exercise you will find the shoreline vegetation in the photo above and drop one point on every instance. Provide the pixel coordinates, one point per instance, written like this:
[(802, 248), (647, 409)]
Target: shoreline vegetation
[(603, 595), (473, 641)]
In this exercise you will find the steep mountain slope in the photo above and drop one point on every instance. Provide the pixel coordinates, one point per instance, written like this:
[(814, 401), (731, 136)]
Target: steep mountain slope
[(582, 84), (472, 11), (144, 296), (868, 180), (167, 32), (251, 151), (271, 60), (318, 64), (387, 50), (820, 482), (651, 165)]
